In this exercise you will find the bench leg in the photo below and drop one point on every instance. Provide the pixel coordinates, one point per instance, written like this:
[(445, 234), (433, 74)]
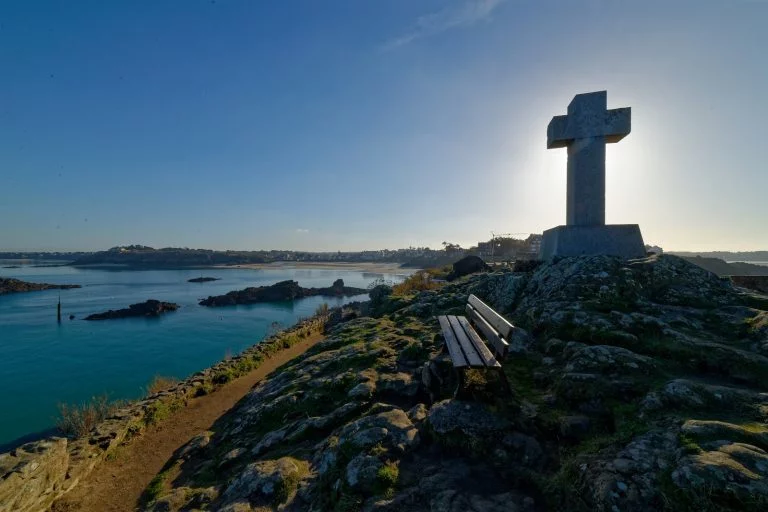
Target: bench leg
[(459, 382), (504, 381)]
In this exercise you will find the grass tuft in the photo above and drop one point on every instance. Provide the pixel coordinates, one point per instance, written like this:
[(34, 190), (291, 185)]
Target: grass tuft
[(78, 419), (418, 282), (160, 383)]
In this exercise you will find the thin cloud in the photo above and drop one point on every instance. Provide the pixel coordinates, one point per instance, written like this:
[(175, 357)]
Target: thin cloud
[(464, 14), (302, 230)]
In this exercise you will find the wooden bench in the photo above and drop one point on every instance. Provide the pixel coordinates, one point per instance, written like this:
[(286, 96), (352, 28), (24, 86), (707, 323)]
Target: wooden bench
[(467, 349)]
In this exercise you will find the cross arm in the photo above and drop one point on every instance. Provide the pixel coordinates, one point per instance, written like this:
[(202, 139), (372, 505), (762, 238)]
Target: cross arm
[(557, 133), (614, 125), (618, 124)]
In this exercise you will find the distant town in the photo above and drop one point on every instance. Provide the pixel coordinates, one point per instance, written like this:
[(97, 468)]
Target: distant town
[(496, 250)]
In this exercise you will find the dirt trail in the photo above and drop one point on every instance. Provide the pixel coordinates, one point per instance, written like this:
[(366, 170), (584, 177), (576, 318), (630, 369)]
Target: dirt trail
[(117, 484)]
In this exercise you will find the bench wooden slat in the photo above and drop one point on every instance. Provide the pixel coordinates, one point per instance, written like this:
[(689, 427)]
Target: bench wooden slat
[(499, 343), (482, 349), (470, 351), (457, 357), (498, 322)]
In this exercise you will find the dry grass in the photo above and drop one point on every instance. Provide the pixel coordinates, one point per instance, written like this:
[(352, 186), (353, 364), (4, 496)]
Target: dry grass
[(417, 282), (160, 383), (322, 310), (78, 419)]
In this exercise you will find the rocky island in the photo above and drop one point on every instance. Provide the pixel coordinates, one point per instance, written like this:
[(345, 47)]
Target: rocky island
[(8, 285), (278, 292), (149, 308), (203, 279)]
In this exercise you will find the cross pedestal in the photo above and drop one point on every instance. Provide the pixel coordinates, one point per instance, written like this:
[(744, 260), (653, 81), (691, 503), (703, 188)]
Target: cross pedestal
[(585, 131)]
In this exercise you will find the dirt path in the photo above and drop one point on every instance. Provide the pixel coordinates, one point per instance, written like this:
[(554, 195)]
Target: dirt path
[(117, 483)]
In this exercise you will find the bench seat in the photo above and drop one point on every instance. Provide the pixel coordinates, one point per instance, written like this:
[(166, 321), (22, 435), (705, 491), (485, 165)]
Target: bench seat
[(466, 348), (464, 345)]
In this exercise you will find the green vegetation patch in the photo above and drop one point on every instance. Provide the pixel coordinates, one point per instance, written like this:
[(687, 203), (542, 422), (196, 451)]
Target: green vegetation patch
[(286, 486), (160, 410), (157, 485), (387, 478)]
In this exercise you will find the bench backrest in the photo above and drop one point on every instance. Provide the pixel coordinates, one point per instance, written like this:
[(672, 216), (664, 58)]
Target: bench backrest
[(495, 327)]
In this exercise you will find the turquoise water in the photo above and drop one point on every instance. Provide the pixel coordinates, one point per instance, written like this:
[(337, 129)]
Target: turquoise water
[(43, 363)]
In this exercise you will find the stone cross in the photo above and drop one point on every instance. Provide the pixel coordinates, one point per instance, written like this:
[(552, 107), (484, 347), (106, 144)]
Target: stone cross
[(585, 131)]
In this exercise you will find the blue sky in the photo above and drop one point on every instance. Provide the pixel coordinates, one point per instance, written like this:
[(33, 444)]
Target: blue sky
[(364, 124)]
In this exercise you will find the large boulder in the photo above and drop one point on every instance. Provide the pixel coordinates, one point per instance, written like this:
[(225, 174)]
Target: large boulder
[(605, 359), (270, 481), (631, 479), (467, 265), (469, 426)]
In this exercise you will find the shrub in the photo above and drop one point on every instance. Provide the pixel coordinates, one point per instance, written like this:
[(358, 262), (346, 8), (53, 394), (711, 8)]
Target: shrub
[(440, 272), (322, 310), (160, 383), (78, 419), (387, 477), (418, 282)]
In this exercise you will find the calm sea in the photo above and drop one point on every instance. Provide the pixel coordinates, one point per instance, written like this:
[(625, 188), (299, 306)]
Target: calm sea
[(43, 363)]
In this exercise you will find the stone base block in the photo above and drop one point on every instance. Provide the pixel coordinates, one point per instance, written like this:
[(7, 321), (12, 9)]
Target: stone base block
[(622, 240)]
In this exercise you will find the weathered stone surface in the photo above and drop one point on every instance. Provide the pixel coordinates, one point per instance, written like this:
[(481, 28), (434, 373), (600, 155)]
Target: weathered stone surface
[(32, 475), (732, 468), (261, 481), (392, 428), (621, 240), (196, 444), (605, 359), (456, 501), (468, 423), (362, 472), (630, 479), (185, 498), (398, 383)]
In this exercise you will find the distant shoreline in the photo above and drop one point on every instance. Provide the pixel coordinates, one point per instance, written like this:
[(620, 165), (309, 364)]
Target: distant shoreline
[(378, 268)]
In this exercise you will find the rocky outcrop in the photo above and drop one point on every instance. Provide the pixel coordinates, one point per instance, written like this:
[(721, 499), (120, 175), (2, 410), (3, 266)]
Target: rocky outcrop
[(467, 265), (637, 387), (147, 309), (279, 292), (203, 279), (8, 285), (32, 475)]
